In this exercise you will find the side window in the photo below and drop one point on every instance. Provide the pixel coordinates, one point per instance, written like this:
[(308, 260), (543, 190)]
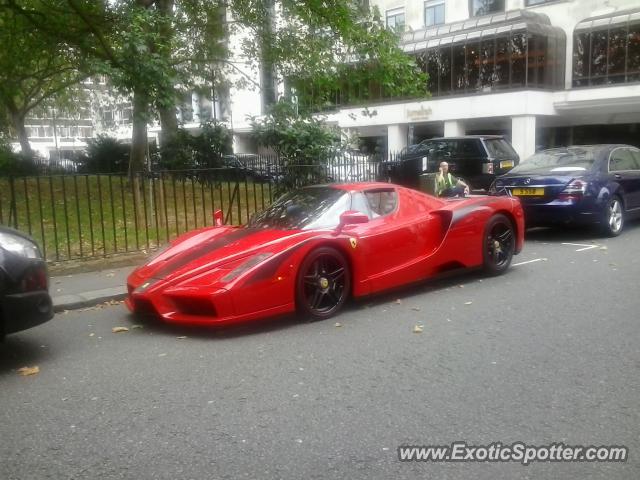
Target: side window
[(636, 156), (381, 201), (359, 203), (621, 159), (470, 148)]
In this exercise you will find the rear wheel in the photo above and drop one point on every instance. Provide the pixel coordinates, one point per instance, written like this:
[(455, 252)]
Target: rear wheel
[(323, 283), (614, 217), (498, 244)]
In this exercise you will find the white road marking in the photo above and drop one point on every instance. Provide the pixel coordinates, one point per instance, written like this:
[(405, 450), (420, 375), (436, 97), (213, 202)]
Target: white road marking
[(585, 247), (530, 261)]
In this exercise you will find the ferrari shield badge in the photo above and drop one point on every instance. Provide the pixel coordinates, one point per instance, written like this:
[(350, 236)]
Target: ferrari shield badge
[(353, 242)]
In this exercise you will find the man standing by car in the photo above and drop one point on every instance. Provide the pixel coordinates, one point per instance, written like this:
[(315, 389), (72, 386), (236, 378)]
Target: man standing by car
[(449, 186)]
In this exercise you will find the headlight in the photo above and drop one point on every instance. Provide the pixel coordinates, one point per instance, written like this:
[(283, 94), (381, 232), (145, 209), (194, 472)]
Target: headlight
[(246, 265), (19, 245)]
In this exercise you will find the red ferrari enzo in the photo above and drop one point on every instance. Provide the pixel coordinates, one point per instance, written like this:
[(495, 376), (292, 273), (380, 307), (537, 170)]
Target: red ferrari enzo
[(317, 246)]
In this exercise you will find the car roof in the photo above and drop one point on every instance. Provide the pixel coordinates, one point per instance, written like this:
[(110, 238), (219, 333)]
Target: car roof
[(466, 137)]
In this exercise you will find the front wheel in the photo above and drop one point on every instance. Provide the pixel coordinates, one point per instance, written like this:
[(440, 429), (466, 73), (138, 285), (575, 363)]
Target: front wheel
[(323, 284), (614, 218), (498, 244)]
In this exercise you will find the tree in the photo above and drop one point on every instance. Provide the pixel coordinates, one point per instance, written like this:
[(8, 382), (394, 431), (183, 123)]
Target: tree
[(302, 143), (148, 48), (34, 71)]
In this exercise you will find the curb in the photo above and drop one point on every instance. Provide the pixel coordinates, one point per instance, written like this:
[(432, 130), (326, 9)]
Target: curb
[(88, 299)]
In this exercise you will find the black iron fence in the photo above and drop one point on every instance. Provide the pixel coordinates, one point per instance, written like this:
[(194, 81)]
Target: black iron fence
[(77, 216)]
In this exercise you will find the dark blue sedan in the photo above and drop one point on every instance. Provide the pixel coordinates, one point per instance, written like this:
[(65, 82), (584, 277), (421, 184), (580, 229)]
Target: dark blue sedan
[(582, 184)]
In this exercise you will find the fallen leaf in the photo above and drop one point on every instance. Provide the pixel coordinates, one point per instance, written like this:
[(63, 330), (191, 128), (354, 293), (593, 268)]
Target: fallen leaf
[(133, 327), (162, 354), (119, 329), (398, 301), (417, 328), (417, 309), (468, 303), (337, 324), (181, 337), (110, 275), (460, 286), (92, 334), (604, 247), (26, 371)]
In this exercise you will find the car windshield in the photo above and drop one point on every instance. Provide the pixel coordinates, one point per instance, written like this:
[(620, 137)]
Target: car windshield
[(306, 209), (558, 160)]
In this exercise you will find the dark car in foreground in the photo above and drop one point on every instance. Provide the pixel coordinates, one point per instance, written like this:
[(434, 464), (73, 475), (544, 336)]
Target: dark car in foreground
[(477, 159), (583, 184), (24, 283)]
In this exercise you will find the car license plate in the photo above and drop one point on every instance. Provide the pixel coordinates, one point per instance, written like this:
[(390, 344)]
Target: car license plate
[(506, 164), (532, 192)]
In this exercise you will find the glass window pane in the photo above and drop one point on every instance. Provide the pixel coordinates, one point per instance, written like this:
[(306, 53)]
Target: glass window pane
[(485, 7), (617, 51), (459, 77), (429, 16), (633, 53), (487, 62), (581, 54), (518, 58), (433, 63), (439, 14), (473, 64), (444, 82), (598, 56)]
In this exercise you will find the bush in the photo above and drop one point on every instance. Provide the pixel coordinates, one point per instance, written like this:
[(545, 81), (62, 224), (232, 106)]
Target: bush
[(16, 164), (204, 150), (105, 155)]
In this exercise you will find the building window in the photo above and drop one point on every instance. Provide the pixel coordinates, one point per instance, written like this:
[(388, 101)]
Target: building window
[(395, 18), (606, 54), (478, 8), (433, 13)]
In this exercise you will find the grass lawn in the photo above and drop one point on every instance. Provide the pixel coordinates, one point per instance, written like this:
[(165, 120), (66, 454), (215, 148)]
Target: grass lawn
[(83, 216)]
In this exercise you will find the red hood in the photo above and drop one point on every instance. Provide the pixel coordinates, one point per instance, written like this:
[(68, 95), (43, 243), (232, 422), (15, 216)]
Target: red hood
[(204, 249)]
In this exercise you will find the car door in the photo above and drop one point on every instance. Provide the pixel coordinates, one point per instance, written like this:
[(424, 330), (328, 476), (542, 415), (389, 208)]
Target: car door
[(394, 238), (625, 170)]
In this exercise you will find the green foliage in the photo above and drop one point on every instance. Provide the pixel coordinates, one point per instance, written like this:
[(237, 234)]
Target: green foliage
[(302, 143), (15, 164), (105, 154), (202, 150)]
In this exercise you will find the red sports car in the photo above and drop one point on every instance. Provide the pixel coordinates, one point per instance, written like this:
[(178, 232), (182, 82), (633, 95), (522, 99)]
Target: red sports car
[(317, 246)]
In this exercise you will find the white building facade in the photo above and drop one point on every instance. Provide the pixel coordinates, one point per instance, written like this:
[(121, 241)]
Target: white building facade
[(541, 72)]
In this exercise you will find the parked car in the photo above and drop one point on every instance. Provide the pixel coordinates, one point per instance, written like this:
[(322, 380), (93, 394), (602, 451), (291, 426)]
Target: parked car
[(476, 159), (317, 246), (24, 283), (583, 184)]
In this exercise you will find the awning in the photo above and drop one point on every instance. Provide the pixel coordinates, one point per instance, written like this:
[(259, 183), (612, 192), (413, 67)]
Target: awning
[(479, 27), (611, 19)]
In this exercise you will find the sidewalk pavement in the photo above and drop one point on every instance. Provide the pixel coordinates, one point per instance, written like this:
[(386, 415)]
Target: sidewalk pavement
[(83, 290)]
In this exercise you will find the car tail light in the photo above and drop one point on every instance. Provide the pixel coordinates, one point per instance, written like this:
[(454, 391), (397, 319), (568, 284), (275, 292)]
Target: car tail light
[(487, 168), (34, 280), (574, 190)]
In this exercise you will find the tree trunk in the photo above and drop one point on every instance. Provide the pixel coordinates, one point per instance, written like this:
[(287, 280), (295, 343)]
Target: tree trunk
[(17, 119), (139, 136), (168, 124)]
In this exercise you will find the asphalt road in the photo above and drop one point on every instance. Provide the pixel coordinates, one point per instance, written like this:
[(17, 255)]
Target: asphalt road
[(547, 353)]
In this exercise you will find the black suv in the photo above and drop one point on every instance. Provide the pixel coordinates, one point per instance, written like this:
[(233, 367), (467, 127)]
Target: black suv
[(477, 159)]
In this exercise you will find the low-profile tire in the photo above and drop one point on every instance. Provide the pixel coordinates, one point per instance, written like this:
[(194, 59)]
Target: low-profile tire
[(613, 217), (323, 284), (498, 244)]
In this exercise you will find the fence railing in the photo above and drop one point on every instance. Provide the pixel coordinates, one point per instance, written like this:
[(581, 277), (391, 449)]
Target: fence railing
[(82, 216)]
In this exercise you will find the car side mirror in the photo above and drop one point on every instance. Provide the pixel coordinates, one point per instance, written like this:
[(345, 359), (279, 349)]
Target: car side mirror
[(351, 217)]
